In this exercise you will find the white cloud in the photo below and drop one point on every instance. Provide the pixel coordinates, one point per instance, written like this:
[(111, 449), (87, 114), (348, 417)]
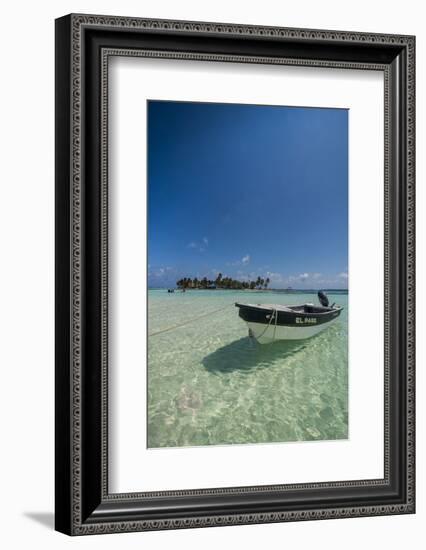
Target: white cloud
[(245, 260), (200, 246), (275, 278), (306, 280)]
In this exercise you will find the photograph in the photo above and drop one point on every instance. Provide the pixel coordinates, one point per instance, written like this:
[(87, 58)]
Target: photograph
[(247, 274)]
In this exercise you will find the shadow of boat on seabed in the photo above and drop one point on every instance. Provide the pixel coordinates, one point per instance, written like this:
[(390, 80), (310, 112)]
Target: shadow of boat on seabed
[(246, 355)]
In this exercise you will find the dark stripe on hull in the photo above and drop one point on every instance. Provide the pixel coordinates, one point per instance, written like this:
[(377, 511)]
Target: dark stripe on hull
[(253, 314)]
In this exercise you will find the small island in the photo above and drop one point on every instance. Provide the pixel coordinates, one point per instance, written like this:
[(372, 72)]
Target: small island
[(223, 283)]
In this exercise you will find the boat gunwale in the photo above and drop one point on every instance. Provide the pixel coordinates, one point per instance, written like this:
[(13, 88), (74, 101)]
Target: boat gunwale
[(270, 307)]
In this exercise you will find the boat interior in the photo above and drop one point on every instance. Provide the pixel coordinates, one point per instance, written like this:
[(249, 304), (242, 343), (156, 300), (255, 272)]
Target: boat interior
[(303, 308), (310, 308)]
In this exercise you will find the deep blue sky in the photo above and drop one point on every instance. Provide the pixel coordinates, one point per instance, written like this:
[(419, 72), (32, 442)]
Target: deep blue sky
[(247, 190)]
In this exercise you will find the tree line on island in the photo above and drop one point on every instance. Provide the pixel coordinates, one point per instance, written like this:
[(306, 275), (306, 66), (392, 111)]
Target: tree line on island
[(223, 283)]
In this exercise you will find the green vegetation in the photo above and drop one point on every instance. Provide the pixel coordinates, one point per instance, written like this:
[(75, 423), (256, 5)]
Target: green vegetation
[(223, 283)]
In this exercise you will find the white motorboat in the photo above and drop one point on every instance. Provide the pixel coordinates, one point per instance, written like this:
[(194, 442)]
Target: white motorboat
[(268, 323)]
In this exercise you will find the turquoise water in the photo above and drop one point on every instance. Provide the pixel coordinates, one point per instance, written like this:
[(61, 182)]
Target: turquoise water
[(210, 384)]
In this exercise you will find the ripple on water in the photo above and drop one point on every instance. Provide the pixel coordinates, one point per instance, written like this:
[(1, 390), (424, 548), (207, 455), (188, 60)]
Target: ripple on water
[(209, 384)]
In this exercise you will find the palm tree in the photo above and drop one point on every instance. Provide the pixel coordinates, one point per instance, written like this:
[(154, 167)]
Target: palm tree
[(223, 282)]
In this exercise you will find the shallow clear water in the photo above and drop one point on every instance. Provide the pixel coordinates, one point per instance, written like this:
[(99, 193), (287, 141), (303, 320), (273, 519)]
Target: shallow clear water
[(210, 384)]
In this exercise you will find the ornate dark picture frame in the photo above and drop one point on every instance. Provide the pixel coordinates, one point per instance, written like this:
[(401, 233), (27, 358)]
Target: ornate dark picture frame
[(84, 44)]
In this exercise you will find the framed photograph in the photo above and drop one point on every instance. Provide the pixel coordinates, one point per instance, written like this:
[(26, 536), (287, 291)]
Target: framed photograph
[(234, 274)]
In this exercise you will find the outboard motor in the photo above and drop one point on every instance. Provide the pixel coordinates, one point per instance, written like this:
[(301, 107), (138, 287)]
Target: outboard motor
[(323, 299)]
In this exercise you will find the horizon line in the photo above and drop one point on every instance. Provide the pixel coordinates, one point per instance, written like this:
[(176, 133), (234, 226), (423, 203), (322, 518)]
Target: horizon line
[(251, 290)]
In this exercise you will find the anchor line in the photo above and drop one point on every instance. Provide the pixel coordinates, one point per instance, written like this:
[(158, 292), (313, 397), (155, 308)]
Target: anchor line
[(276, 321), (174, 327), (273, 316)]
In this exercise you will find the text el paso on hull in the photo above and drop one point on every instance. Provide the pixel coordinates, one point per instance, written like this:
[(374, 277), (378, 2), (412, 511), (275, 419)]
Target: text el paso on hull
[(270, 322)]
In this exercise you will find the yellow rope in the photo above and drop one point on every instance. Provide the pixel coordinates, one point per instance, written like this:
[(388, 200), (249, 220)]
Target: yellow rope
[(189, 321)]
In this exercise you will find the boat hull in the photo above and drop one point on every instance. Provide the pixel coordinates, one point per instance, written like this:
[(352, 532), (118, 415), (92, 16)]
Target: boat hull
[(269, 323), (266, 334)]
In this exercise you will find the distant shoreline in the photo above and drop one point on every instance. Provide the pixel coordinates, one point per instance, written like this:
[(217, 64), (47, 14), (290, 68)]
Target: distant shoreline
[(282, 290)]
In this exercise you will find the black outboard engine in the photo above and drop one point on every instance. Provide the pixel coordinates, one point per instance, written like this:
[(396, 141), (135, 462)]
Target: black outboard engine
[(323, 298)]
